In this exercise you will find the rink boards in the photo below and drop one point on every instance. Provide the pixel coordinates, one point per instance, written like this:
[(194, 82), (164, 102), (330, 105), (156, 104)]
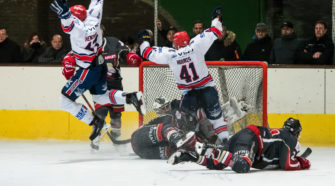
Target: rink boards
[(29, 104)]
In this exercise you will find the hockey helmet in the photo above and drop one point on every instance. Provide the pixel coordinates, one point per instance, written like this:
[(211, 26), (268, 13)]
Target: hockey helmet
[(161, 105), (293, 125), (79, 11), (181, 39)]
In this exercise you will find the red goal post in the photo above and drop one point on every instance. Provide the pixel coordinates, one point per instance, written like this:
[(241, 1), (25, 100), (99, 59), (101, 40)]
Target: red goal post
[(245, 81)]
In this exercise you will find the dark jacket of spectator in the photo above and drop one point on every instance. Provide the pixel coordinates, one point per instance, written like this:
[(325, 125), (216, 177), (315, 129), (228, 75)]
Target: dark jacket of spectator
[(10, 52), (285, 50), (51, 55), (258, 50), (324, 45), (226, 49)]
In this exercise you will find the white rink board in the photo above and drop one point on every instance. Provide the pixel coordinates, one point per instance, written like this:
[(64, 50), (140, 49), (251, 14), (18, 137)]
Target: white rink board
[(294, 90), (39, 88), (330, 90)]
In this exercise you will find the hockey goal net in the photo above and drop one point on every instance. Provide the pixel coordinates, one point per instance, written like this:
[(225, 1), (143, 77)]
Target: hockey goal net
[(244, 82)]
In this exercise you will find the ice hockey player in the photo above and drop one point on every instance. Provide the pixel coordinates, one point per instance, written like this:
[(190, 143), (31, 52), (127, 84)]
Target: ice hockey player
[(187, 62), (86, 43), (163, 135), (114, 53), (255, 146)]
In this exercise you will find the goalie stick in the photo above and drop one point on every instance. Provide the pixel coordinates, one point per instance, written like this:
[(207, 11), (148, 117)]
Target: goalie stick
[(106, 127)]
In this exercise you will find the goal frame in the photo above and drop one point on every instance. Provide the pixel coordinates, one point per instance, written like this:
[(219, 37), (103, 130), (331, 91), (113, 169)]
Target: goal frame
[(261, 64)]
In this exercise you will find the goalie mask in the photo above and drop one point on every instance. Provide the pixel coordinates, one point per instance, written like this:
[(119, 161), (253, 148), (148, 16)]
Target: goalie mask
[(161, 105), (294, 126), (79, 11), (181, 39)]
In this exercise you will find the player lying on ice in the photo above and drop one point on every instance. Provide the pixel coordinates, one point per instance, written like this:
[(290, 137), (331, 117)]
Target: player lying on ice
[(86, 44), (187, 62), (255, 146), (174, 129)]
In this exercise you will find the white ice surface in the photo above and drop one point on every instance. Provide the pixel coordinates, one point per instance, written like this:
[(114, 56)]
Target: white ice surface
[(71, 163)]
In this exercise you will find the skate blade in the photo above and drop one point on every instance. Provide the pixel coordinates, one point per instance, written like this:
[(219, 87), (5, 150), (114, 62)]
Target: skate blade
[(95, 143)]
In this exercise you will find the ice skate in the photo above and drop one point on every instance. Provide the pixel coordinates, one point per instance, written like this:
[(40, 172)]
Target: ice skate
[(97, 124), (136, 98), (182, 156), (184, 141), (116, 133)]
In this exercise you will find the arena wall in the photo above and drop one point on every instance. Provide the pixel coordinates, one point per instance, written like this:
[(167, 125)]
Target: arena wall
[(29, 107)]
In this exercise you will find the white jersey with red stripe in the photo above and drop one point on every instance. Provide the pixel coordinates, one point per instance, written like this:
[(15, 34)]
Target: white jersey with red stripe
[(86, 36), (187, 63)]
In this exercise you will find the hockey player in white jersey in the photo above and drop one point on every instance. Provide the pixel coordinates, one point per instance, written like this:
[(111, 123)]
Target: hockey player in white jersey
[(187, 62), (83, 26)]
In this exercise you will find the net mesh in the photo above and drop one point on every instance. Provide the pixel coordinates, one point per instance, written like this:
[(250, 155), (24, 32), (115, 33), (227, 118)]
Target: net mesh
[(241, 80)]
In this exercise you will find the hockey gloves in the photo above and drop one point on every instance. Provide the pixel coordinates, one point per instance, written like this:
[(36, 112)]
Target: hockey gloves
[(69, 66), (133, 59), (304, 163), (143, 35), (217, 12), (61, 8)]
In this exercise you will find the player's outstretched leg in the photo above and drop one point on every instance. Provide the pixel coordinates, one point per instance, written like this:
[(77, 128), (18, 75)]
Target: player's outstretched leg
[(136, 98)]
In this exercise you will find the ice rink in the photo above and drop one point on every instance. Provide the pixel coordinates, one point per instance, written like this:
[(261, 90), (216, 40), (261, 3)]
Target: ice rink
[(71, 163)]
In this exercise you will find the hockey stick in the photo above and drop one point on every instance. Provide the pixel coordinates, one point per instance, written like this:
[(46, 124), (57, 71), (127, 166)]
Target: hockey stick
[(116, 141), (110, 136), (306, 153)]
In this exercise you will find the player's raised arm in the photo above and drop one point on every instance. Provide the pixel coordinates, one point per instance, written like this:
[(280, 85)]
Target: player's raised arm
[(61, 8), (159, 55), (95, 10), (204, 40)]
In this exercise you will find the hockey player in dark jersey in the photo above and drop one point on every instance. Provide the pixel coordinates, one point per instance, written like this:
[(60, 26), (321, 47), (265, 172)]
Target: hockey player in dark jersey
[(164, 134), (115, 52), (159, 138), (255, 146)]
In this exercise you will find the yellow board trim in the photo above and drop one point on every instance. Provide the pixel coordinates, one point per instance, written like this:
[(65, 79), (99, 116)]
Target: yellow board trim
[(318, 129), (23, 124)]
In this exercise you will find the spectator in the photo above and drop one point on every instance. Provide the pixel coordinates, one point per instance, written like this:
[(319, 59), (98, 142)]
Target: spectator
[(169, 36), (9, 50), (54, 53), (198, 27), (225, 48), (161, 36), (33, 48), (285, 48), (260, 48), (319, 50)]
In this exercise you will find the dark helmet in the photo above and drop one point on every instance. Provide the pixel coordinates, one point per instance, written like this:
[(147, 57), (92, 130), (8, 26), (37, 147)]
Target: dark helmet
[(293, 125)]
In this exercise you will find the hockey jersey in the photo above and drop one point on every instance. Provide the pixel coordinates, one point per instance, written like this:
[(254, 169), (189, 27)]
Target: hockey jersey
[(86, 36), (277, 149), (187, 63)]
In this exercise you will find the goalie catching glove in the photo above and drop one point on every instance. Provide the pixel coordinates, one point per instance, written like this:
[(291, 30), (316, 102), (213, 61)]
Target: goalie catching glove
[(69, 66), (61, 8)]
